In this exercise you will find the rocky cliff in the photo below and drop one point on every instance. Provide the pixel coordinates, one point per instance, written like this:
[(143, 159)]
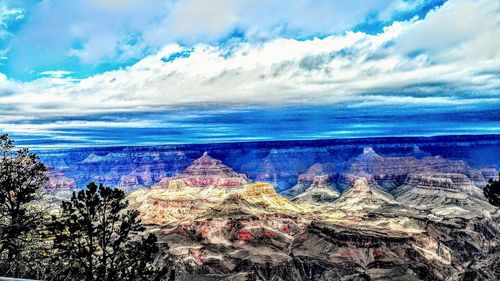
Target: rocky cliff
[(315, 185), (451, 195), (391, 172), (205, 172), (371, 210), (278, 163), (202, 186), (436, 227), (320, 190)]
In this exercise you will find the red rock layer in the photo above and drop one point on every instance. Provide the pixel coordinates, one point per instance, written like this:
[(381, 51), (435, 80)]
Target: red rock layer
[(206, 172)]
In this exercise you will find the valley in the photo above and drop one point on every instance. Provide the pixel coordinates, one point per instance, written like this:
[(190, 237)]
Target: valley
[(397, 211)]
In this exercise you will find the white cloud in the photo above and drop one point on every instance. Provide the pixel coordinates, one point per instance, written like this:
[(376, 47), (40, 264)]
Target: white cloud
[(206, 21), (355, 68), (119, 4), (111, 31), (8, 15), (56, 73), (199, 18), (459, 29)]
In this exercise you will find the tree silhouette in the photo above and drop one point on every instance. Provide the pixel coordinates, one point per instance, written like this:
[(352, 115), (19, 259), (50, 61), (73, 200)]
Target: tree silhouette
[(22, 175), (97, 238), (492, 191)]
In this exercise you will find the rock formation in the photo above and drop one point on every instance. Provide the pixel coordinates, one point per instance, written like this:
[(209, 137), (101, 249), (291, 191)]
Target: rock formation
[(363, 196), (319, 191), (371, 237), (278, 163), (451, 195), (250, 232), (403, 214), (419, 153), (206, 172), (318, 175), (279, 168), (391, 172), (58, 181), (200, 188)]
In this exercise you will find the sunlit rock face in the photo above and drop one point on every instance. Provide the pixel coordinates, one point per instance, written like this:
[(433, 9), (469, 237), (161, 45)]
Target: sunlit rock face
[(166, 206), (368, 155), (450, 195), (254, 231), (199, 187), (202, 186), (206, 172), (363, 196), (402, 214), (247, 229), (233, 242), (187, 203), (446, 181), (250, 227)]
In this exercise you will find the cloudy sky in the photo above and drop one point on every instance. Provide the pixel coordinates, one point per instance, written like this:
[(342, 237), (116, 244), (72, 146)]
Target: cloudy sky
[(140, 72)]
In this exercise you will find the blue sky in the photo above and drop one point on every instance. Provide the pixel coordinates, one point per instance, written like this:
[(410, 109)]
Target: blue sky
[(130, 72)]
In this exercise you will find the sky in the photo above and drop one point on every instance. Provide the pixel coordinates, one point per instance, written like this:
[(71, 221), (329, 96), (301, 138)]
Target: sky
[(145, 72)]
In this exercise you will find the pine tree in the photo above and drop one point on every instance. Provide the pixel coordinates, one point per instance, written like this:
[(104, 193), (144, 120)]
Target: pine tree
[(492, 191), (22, 176), (97, 238)]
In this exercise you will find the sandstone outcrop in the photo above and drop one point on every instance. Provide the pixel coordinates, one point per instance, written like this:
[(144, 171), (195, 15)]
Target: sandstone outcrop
[(391, 172), (443, 194), (319, 191), (201, 187), (318, 179), (205, 172), (404, 213)]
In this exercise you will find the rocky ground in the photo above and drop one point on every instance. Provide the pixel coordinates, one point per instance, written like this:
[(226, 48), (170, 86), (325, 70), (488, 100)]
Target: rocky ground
[(433, 225)]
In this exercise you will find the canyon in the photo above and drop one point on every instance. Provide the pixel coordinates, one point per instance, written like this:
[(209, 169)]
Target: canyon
[(278, 163), (408, 209)]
